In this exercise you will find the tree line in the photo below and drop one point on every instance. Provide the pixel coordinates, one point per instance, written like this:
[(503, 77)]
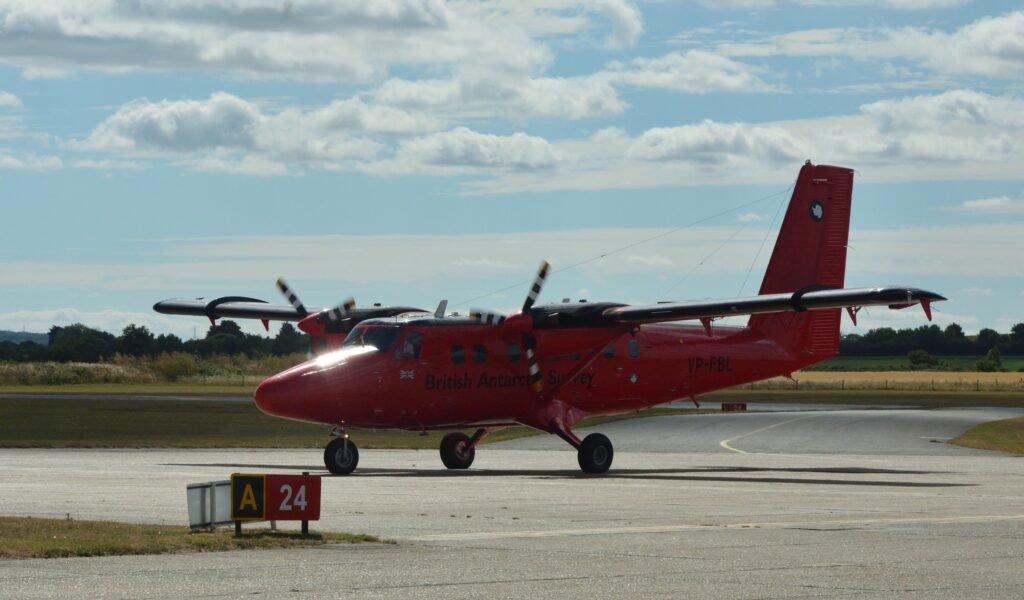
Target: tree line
[(934, 340), (78, 343)]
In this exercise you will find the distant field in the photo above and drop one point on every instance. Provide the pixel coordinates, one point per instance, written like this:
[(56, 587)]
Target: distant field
[(900, 363), (881, 381), (916, 398)]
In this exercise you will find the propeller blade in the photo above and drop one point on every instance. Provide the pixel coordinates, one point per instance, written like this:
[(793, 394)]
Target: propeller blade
[(486, 317), (340, 311), (292, 298), (536, 379), (538, 283)]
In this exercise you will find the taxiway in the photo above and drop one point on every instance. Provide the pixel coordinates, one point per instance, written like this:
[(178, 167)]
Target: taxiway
[(863, 504)]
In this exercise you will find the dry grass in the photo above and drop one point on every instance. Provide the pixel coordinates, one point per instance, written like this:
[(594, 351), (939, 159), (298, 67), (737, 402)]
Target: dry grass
[(27, 537), (951, 381), (150, 370)]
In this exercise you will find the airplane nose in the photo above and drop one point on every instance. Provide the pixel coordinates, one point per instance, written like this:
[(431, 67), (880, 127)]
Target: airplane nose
[(275, 395)]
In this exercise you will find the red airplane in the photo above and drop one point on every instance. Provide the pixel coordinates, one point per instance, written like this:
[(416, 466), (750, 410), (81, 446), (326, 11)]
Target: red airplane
[(549, 366)]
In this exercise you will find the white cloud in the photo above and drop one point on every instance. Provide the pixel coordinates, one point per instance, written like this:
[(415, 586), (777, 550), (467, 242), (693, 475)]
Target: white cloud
[(947, 110), (1001, 205), (483, 94), (626, 20), (749, 218), (990, 46), (464, 149), (8, 100), (253, 166), (107, 165), (235, 135), (893, 4), (298, 39), (30, 162), (695, 72), (960, 134), (714, 143)]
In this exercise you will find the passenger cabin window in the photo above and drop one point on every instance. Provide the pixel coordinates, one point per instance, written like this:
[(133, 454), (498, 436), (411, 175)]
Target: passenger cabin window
[(609, 351), (515, 352), (634, 348), (458, 355), (574, 356), (381, 337), (479, 354), (410, 347)]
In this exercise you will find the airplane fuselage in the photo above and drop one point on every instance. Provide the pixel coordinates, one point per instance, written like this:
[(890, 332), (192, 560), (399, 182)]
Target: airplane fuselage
[(473, 375)]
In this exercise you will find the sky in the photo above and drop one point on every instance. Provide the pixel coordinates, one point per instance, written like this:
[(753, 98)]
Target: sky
[(405, 151)]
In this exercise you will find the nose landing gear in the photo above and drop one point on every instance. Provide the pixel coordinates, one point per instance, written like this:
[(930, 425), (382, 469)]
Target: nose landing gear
[(341, 456)]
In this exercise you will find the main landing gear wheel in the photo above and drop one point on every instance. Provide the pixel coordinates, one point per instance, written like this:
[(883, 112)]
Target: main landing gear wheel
[(456, 451), (341, 456), (595, 454)]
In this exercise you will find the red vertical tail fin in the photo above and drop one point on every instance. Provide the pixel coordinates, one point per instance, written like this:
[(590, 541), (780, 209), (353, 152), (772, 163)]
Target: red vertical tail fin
[(810, 254)]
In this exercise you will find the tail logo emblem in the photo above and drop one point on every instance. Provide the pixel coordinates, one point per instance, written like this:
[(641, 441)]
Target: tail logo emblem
[(817, 210)]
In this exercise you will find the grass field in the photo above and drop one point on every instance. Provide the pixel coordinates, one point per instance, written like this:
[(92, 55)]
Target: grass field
[(1003, 436), (179, 389), (27, 537), (926, 381), (900, 363), (915, 398), (151, 423)]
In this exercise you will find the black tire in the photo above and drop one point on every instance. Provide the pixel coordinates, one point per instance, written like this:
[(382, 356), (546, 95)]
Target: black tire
[(596, 454), (456, 452), (341, 456)]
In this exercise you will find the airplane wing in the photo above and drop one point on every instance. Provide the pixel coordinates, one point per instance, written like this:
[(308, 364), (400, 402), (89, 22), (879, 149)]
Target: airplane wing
[(233, 307), (241, 307), (799, 301)]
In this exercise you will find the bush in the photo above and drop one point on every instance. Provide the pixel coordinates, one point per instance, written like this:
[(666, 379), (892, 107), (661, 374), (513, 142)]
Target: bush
[(176, 365), (922, 360)]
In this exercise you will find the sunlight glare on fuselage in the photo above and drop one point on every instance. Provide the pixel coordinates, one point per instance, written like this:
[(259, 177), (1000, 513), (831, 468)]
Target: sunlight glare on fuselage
[(341, 355)]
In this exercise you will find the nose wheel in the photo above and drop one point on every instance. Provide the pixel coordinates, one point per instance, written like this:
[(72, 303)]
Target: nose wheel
[(341, 456)]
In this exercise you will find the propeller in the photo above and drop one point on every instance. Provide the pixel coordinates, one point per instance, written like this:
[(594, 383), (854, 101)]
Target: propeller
[(488, 317), (334, 315), (292, 297), (340, 311), (522, 320), (538, 284)]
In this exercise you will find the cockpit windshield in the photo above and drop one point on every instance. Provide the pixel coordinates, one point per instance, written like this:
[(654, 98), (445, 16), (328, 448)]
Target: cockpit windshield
[(381, 337)]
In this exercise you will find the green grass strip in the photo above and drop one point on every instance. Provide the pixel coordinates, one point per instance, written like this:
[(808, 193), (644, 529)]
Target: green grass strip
[(1002, 436), (28, 537), (160, 423)]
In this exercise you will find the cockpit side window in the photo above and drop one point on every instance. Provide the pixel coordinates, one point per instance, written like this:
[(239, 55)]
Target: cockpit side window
[(410, 346), (381, 337)]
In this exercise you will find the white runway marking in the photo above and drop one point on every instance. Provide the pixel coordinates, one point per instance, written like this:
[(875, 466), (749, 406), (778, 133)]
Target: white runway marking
[(725, 443), (498, 535)]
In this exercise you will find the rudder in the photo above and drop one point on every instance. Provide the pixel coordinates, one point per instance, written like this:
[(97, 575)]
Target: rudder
[(810, 253)]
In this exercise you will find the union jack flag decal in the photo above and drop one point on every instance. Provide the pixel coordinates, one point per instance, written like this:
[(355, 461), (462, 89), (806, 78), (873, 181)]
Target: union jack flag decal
[(407, 374)]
